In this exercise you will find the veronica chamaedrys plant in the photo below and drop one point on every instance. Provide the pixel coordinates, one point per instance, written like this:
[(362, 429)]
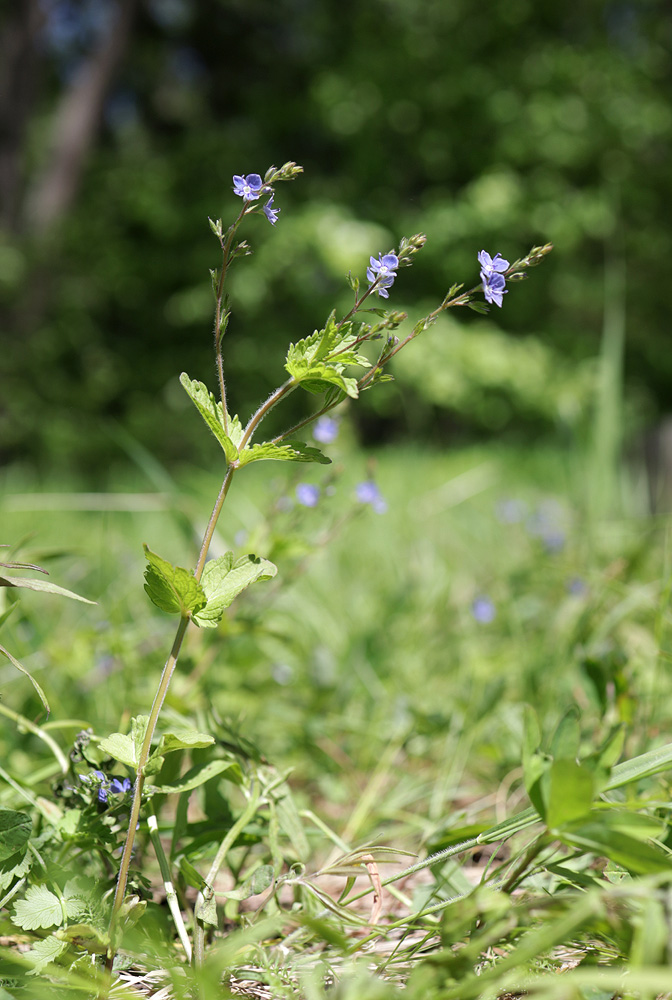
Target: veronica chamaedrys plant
[(331, 365)]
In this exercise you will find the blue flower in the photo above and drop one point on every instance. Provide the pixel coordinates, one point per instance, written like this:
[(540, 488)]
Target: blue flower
[(369, 493), (307, 494), (483, 610), (120, 785), (383, 271), (248, 188), (325, 430), (271, 213), (493, 288), (492, 276), (490, 265)]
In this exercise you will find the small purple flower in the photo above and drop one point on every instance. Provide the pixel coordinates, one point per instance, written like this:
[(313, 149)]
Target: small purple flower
[(483, 610), (248, 188), (368, 492), (270, 212), (307, 494), (491, 265), (325, 430), (119, 786), (577, 587), (493, 288), (383, 271)]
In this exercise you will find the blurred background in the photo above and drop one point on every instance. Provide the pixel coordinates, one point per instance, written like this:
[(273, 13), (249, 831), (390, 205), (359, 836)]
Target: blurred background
[(124, 120)]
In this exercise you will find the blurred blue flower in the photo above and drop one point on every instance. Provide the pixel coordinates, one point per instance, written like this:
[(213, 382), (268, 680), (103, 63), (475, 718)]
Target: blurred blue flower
[(554, 541), (120, 785), (483, 610), (325, 430), (307, 494), (270, 212), (368, 492), (510, 510), (383, 271), (248, 188), (493, 288), (577, 587), (491, 265)]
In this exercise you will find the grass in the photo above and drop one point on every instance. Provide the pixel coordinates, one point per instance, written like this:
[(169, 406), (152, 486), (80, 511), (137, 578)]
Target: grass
[(362, 677)]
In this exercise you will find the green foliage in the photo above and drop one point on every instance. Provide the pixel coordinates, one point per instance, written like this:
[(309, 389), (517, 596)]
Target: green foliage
[(226, 577), (172, 588)]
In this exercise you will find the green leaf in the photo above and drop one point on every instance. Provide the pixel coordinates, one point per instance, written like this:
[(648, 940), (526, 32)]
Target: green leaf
[(212, 412), (567, 736), (191, 875), (42, 585), (597, 837), (40, 908), (172, 588), (535, 763), (38, 690), (644, 766), (259, 881), (13, 868), (84, 936), (44, 952), (318, 345), (194, 777), (223, 580), (289, 451), (15, 829), (568, 791), (121, 748), (318, 378), (189, 739)]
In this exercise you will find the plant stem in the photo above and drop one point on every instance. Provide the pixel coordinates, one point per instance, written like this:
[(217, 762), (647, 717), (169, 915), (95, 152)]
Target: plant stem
[(159, 697), (171, 895), (205, 896)]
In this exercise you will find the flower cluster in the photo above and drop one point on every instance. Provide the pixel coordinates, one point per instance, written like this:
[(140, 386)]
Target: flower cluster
[(382, 273), (251, 188), (492, 276), (105, 786)]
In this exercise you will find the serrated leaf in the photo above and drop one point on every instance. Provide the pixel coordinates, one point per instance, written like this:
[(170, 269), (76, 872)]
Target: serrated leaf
[(40, 908), (19, 666), (172, 588), (43, 585), (194, 777), (259, 881), (317, 377), (15, 829), (319, 344), (289, 451), (44, 952), (213, 414), (223, 580)]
